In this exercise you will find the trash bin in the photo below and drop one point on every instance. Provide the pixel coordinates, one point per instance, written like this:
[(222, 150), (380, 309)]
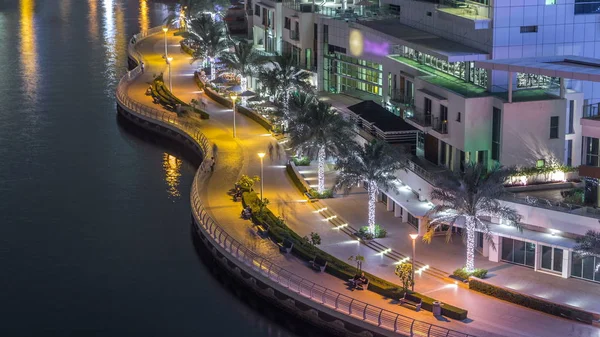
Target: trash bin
[(437, 308)]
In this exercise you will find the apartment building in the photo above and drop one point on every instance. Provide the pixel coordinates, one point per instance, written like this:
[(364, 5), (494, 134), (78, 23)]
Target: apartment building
[(509, 82)]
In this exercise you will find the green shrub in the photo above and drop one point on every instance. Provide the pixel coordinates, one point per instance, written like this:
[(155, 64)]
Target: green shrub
[(325, 195), (302, 249), (380, 232), (304, 161), (462, 273), (531, 302), (168, 100)]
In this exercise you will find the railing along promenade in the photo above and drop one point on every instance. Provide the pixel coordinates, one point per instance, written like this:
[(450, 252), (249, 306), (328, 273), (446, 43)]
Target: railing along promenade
[(257, 265)]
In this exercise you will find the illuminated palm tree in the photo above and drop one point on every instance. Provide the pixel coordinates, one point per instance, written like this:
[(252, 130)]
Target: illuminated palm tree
[(211, 39), (466, 197), (289, 78), (243, 60), (374, 163), (589, 245), (319, 131)]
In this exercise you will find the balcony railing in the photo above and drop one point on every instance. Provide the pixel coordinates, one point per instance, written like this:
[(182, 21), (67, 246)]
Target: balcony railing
[(294, 35), (465, 9), (440, 126), (419, 116), (591, 110), (399, 96)]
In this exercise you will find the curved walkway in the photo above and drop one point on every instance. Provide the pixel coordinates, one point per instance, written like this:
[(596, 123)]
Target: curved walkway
[(488, 316)]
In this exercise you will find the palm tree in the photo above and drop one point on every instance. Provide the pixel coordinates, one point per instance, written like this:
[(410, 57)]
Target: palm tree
[(289, 78), (589, 245), (214, 7), (211, 38), (374, 163), (468, 197), (302, 100), (321, 131), (268, 80), (243, 60)]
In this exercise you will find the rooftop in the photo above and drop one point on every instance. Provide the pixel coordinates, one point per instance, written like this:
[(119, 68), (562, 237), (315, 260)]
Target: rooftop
[(380, 117), (572, 67), (434, 45), (470, 90)]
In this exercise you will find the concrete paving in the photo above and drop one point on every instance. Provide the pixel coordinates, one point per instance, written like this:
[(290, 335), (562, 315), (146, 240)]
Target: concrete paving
[(487, 316)]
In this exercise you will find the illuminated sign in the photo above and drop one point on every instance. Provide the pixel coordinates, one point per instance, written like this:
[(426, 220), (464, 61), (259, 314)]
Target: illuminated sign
[(358, 45)]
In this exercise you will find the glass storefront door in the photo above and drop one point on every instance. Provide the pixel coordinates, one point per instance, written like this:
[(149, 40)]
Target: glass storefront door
[(552, 259), (519, 252)]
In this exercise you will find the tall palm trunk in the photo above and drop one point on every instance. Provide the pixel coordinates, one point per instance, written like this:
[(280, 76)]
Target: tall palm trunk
[(372, 191), (470, 224), (243, 82), (321, 169), (212, 68)]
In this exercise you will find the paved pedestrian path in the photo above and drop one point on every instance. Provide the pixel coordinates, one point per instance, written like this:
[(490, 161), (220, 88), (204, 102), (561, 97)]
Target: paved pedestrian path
[(487, 316)]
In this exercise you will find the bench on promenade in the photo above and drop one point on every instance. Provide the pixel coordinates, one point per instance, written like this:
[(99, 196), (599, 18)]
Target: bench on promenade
[(318, 263), (262, 229), (358, 285), (412, 300), (286, 246)]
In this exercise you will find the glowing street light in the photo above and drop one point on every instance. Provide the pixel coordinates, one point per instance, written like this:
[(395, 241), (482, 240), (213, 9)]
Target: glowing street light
[(261, 155), (166, 29), (233, 97), (414, 238), (169, 59)]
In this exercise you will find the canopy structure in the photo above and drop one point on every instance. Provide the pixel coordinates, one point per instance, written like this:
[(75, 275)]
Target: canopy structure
[(379, 122)]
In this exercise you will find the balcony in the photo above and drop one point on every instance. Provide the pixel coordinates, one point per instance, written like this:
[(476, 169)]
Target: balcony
[(419, 118), (400, 97), (294, 35), (440, 126), (475, 13)]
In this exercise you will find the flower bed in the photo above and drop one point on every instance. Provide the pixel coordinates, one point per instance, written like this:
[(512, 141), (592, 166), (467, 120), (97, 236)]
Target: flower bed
[(278, 231), (166, 98)]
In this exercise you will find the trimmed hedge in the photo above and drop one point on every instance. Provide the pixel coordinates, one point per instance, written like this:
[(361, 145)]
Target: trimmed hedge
[(290, 171), (530, 302), (278, 231), (168, 100), (255, 117)]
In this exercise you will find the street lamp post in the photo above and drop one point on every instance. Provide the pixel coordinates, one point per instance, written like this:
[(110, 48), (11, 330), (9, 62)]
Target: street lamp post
[(165, 29), (169, 59), (261, 155), (414, 238), (233, 97)]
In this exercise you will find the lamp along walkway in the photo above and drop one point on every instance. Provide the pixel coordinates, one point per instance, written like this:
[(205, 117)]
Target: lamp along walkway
[(234, 157)]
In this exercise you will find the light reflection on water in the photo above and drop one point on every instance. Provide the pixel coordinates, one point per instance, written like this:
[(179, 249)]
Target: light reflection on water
[(28, 49), (144, 13), (172, 168), (114, 36), (93, 20)]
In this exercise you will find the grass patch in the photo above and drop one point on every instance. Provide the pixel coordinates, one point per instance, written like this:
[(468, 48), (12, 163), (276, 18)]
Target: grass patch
[(303, 161), (279, 231)]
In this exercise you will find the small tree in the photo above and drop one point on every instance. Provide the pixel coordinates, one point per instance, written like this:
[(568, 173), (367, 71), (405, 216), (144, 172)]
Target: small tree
[(359, 259), (404, 272), (246, 182), (262, 204), (313, 239), (589, 245)]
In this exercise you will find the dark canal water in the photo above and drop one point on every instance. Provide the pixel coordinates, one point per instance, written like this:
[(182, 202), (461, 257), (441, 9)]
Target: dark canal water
[(95, 235)]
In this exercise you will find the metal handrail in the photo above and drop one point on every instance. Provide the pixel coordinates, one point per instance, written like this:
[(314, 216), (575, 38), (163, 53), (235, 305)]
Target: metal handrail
[(265, 268)]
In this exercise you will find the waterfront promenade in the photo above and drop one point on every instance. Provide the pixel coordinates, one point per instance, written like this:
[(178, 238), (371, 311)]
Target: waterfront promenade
[(487, 316)]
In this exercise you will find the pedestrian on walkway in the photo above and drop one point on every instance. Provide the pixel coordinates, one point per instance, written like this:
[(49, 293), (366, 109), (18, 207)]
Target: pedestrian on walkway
[(142, 66), (271, 151), (278, 150), (212, 164)]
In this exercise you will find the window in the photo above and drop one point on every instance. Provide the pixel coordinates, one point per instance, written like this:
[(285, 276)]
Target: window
[(519, 252), (571, 114), (554, 127), (496, 124), (570, 152), (550, 2), (458, 117), (427, 103), (585, 267), (591, 154), (288, 23), (394, 9), (587, 7), (325, 33), (443, 113), (540, 163), (257, 10), (529, 29), (552, 258)]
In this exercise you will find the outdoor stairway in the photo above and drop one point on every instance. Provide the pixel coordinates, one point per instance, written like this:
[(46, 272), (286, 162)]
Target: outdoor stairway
[(340, 224)]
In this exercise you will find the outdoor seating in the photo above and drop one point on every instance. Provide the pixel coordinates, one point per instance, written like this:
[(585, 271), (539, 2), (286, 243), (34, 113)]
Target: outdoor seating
[(318, 263), (286, 246), (411, 300)]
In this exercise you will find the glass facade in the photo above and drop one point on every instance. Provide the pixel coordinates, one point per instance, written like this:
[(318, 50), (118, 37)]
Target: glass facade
[(552, 259), (585, 267), (591, 146), (519, 252), (345, 73)]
